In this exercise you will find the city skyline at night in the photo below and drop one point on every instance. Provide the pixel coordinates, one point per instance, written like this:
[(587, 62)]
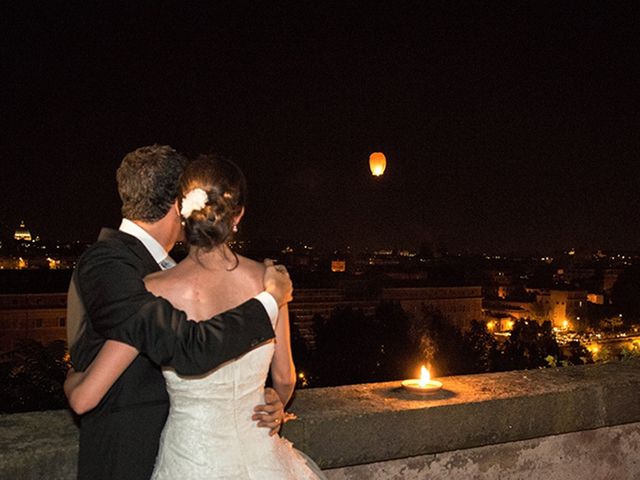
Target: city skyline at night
[(506, 129)]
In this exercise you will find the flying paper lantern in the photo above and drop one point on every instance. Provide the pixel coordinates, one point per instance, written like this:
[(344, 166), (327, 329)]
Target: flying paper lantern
[(377, 163)]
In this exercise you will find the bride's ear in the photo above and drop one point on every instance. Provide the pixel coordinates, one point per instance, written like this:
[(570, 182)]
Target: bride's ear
[(237, 219)]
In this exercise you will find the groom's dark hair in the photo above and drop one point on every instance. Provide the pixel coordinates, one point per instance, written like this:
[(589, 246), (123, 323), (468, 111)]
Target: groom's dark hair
[(148, 182)]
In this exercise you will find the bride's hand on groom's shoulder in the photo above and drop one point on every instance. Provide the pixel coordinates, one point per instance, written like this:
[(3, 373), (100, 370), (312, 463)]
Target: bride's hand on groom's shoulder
[(277, 282)]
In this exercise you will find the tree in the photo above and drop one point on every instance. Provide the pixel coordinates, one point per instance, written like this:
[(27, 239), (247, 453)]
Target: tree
[(439, 342), (529, 346), (480, 348), (578, 354), (345, 349), (625, 294), (397, 351), (300, 351), (355, 348), (33, 379)]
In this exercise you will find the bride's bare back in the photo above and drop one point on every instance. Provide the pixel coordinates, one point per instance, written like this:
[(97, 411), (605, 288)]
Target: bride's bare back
[(206, 284)]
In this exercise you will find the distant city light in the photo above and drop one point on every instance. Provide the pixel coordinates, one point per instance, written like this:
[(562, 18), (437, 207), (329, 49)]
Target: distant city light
[(338, 266), (22, 233)]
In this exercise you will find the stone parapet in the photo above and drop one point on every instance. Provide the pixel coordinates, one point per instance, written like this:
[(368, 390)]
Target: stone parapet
[(376, 422), (513, 423), (608, 453)]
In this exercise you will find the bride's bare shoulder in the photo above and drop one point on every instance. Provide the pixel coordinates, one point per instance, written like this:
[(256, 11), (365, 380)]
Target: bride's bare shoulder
[(154, 278), (158, 282), (251, 268), (154, 282)]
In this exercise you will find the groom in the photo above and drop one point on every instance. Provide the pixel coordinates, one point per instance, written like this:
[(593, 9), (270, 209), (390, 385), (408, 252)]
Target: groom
[(108, 300)]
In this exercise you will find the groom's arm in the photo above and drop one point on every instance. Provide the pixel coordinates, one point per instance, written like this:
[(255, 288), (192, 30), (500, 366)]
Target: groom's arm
[(120, 308)]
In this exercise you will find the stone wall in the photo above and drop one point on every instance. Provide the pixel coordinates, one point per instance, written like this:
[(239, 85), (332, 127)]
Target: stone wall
[(570, 423), (609, 453)]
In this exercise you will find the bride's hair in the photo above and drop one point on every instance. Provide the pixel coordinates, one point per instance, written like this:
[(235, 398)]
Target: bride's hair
[(209, 220)]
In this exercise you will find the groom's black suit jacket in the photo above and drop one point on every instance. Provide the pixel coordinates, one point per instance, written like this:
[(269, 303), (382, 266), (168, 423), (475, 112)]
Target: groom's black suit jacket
[(107, 299)]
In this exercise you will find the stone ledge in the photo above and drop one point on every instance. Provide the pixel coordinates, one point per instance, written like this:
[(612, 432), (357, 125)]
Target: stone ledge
[(365, 424), (38, 445), (359, 424), (610, 453)]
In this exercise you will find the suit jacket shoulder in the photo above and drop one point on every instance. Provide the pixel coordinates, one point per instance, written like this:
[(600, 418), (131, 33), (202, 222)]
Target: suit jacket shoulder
[(118, 245), (114, 265)]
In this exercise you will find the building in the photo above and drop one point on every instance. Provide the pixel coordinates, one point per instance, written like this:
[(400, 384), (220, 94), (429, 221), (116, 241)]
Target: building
[(565, 307), (36, 316), (338, 266), (42, 317), (22, 233), (460, 305), (500, 315)]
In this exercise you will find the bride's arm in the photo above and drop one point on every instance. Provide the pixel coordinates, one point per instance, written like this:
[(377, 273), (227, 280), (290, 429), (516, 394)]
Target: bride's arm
[(283, 372), (84, 390)]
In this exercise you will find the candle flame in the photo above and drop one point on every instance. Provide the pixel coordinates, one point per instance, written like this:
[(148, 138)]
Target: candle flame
[(424, 377)]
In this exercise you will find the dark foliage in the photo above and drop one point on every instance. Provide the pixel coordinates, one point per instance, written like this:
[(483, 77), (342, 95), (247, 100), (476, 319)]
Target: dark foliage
[(345, 348), (355, 348), (578, 354), (33, 379), (529, 346), (397, 351), (625, 294), (480, 349), (439, 343), (300, 352)]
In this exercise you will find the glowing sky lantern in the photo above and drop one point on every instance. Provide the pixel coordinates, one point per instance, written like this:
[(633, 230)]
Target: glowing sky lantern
[(377, 163)]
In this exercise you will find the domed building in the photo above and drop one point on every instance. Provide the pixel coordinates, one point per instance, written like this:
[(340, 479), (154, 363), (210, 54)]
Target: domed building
[(22, 233)]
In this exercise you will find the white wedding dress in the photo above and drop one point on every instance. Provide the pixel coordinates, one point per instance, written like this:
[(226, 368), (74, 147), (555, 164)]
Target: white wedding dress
[(209, 433)]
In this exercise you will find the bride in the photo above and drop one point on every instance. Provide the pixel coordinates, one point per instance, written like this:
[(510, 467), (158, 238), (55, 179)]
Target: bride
[(209, 433)]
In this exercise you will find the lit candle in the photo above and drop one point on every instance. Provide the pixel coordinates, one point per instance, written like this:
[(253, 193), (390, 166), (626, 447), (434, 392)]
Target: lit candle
[(422, 385)]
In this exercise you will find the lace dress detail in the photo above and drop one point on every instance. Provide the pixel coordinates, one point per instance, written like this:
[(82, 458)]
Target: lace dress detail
[(209, 433)]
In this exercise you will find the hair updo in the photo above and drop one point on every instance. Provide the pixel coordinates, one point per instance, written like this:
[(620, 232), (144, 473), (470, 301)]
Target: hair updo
[(226, 193)]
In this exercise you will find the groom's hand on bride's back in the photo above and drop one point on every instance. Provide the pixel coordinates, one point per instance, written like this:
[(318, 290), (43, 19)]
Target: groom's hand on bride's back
[(277, 282)]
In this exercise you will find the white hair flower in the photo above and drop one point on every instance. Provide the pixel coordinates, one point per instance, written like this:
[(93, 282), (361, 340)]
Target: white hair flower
[(196, 199)]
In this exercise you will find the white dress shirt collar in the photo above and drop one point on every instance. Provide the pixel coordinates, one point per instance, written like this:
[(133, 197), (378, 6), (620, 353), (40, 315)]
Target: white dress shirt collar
[(155, 249)]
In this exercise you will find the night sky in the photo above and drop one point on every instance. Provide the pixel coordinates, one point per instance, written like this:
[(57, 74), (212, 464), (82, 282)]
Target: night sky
[(507, 127)]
